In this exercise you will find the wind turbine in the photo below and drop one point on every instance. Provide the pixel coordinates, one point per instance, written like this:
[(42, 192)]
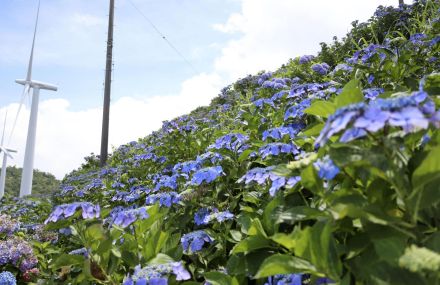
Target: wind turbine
[(28, 164), (6, 153)]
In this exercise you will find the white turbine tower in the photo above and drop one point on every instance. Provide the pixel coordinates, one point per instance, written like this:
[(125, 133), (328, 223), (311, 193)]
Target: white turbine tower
[(6, 153), (28, 164)]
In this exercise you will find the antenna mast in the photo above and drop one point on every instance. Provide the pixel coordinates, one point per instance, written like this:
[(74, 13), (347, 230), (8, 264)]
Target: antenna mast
[(107, 88)]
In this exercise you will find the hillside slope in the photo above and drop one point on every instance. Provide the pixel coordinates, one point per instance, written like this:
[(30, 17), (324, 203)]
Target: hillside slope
[(43, 183), (322, 172)]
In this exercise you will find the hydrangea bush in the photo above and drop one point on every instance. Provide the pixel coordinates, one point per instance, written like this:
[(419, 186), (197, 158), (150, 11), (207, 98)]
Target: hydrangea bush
[(325, 171)]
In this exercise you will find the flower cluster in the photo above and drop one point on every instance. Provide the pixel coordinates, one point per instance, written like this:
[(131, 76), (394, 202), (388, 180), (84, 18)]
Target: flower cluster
[(306, 59), (194, 241), (406, 112), (7, 278), (262, 175), (275, 149), (17, 252), (295, 279), (206, 175), (204, 216), (276, 83), (297, 111), (157, 274), (321, 68), (126, 217), (8, 225), (232, 142), (164, 199), (280, 132), (326, 168), (89, 211)]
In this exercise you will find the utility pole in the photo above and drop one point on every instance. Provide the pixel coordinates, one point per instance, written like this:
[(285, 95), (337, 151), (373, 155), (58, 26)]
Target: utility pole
[(107, 88)]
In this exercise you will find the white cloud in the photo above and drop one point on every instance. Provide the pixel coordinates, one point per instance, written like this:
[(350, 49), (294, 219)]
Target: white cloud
[(276, 30)]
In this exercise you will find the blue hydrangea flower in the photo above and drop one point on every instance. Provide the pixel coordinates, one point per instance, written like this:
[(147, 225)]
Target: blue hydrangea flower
[(276, 83), (417, 39), (321, 68), (326, 168), (297, 111), (285, 279), (373, 119), (157, 274), (280, 132), (213, 157), (194, 241), (261, 102), (126, 217), (89, 211), (343, 67), (306, 59), (275, 149), (232, 142), (372, 93), (204, 216), (409, 118), (165, 181), (263, 77), (263, 175), (411, 113), (200, 216), (164, 199), (7, 278), (207, 175)]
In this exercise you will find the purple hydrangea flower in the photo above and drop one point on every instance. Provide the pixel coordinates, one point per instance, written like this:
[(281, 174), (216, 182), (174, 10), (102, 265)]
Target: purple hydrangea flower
[(126, 217), (306, 59), (321, 68), (232, 142)]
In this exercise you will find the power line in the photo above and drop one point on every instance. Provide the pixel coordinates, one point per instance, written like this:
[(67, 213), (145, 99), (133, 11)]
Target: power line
[(164, 38)]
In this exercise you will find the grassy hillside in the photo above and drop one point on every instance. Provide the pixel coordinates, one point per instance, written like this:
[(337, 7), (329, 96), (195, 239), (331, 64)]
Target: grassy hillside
[(324, 171), (43, 183)]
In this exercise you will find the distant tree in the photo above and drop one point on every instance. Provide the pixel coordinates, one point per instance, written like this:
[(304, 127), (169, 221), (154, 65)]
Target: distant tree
[(401, 2), (43, 182)]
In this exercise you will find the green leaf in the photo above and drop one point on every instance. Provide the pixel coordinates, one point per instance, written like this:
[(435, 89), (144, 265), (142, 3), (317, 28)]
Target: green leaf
[(251, 243), (428, 170), (67, 260), (432, 84), (219, 278), (351, 93), (321, 108), (160, 259), (284, 264)]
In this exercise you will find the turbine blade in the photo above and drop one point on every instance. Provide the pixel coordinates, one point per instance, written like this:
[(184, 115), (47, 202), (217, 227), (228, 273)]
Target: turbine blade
[(26, 90), (31, 59), (4, 128)]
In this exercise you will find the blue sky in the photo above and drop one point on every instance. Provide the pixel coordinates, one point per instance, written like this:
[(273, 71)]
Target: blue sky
[(223, 39), (71, 39)]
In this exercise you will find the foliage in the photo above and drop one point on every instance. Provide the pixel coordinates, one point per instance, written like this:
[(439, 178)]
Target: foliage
[(318, 173), (43, 183)]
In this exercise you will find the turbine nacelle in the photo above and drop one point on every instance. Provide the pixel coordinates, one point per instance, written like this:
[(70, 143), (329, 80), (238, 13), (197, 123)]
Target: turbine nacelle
[(36, 84), (7, 151)]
